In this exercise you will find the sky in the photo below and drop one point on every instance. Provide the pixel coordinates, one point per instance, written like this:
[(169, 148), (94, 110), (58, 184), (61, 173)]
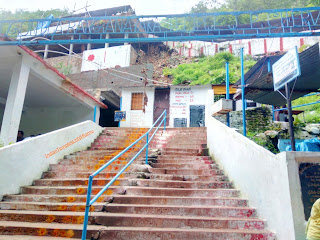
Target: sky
[(142, 7)]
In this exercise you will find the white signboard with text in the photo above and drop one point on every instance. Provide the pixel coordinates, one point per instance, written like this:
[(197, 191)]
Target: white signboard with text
[(286, 69)]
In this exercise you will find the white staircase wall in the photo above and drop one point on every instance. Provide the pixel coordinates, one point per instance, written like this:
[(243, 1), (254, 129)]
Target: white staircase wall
[(270, 182), (25, 161)]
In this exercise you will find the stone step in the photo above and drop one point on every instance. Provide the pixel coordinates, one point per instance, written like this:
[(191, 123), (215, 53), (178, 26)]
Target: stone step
[(115, 166), (183, 161), (180, 201), (186, 171), (209, 211), (187, 177), (84, 174), (70, 190), (172, 221), (50, 206), (132, 220), (181, 192), (133, 182), (185, 158), (24, 237), (196, 165), (66, 217), (48, 229), (52, 198), (184, 233)]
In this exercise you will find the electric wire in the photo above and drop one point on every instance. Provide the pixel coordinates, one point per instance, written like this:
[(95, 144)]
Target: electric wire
[(150, 80)]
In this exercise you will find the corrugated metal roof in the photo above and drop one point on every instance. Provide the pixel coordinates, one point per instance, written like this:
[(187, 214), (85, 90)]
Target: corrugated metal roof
[(259, 83)]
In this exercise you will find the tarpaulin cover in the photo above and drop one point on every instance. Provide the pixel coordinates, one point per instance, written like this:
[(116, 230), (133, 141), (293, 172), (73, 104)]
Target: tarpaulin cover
[(310, 145)]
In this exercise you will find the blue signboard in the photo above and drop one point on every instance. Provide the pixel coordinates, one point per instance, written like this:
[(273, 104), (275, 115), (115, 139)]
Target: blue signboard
[(286, 69), (119, 116)]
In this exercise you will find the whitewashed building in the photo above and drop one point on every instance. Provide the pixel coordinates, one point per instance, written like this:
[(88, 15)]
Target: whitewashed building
[(187, 106)]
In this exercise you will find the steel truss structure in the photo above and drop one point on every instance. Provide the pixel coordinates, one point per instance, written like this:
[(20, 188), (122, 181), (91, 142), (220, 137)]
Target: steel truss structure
[(126, 28)]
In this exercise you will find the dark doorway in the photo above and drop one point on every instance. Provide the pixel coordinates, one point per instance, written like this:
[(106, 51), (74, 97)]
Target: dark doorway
[(107, 116), (161, 102), (197, 116)]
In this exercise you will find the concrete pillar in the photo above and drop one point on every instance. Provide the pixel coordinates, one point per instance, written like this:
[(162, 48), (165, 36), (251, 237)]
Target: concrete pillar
[(14, 103), (71, 46), (126, 36), (89, 44), (70, 50), (45, 54), (106, 45)]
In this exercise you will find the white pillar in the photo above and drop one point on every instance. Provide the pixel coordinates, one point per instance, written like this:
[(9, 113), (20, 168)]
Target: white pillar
[(106, 45), (14, 103), (45, 55), (89, 44), (126, 36), (70, 50), (71, 46)]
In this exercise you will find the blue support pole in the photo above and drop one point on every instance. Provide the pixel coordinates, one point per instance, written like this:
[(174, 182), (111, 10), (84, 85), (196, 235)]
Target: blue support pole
[(227, 91), (94, 114), (269, 65), (147, 148), (86, 214), (273, 118), (243, 95), (120, 110)]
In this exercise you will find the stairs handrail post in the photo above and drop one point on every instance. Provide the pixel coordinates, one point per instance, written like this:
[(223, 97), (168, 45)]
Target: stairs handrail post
[(147, 148), (165, 120), (86, 215)]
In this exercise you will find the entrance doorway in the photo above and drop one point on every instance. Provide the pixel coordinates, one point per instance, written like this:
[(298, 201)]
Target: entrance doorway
[(161, 102)]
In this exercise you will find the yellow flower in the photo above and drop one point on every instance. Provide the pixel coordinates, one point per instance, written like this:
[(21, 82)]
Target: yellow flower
[(80, 220), (50, 218), (109, 192), (80, 191), (69, 234), (71, 199), (42, 231), (62, 208)]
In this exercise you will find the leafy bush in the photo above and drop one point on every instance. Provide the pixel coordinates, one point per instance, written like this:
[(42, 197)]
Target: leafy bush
[(209, 70), (311, 112)]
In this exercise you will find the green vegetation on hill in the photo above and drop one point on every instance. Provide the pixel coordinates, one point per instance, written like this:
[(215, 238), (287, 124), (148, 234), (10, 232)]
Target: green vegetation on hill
[(209, 70), (311, 112)]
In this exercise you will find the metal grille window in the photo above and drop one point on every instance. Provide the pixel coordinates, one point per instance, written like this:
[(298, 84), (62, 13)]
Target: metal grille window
[(136, 101)]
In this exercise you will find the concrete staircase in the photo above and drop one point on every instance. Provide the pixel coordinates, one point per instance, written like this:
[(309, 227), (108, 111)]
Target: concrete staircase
[(183, 196)]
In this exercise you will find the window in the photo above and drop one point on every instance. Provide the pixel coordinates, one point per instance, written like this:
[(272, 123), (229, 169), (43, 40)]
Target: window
[(136, 101)]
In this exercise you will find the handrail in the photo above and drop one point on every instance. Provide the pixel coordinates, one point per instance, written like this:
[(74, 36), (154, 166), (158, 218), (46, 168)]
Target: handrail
[(89, 190)]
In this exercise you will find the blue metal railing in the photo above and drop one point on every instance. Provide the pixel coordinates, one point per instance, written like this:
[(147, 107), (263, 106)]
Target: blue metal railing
[(298, 22), (146, 146)]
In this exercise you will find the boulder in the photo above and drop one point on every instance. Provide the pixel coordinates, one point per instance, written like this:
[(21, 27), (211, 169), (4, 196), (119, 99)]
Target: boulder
[(271, 133), (313, 129)]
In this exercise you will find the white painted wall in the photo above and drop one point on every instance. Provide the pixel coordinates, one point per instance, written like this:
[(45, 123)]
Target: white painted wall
[(270, 182), (25, 161), (136, 118), (181, 98), (110, 57), (261, 176), (196, 48), (43, 120)]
